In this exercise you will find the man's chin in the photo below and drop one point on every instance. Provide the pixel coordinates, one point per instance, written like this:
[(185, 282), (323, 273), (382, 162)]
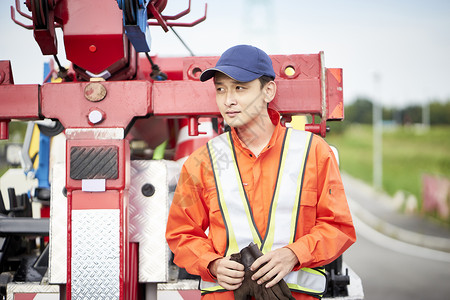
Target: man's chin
[(234, 123)]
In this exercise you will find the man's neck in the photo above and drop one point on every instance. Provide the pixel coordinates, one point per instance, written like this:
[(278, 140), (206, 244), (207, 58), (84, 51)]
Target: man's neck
[(256, 135)]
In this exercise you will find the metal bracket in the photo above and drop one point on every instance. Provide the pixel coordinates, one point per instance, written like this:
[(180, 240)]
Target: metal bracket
[(13, 16), (162, 20)]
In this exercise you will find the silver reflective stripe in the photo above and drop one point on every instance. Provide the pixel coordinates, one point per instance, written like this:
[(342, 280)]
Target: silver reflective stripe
[(291, 180), (308, 280), (236, 213), (210, 286), (207, 284), (283, 213)]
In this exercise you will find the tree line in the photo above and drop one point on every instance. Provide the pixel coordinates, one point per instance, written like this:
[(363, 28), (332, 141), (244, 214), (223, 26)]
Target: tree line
[(360, 111)]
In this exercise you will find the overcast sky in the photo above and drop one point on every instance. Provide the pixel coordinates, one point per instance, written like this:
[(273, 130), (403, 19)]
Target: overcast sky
[(405, 42)]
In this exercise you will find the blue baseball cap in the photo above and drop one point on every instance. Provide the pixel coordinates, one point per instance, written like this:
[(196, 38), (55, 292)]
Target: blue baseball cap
[(243, 63)]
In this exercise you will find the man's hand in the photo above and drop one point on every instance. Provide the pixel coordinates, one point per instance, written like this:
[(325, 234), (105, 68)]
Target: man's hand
[(278, 263), (229, 274)]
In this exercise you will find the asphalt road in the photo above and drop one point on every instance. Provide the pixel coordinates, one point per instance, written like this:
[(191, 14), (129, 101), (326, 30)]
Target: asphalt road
[(392, 270)]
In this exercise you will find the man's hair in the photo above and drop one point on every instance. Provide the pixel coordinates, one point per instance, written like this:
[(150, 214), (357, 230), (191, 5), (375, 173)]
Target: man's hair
[(264, 80)]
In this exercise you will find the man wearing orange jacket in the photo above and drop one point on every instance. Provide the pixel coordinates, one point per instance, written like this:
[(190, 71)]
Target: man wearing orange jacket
[(263, 183)]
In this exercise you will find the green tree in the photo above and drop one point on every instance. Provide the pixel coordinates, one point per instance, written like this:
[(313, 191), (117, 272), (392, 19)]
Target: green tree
[(359, 112), (412, 114), (440, 113)]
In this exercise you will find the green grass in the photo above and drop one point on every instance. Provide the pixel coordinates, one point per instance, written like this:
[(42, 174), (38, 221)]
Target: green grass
[(408, 153), (355, 151)]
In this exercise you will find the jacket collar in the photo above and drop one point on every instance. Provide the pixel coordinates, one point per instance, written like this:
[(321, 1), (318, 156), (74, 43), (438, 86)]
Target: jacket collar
[(275, 118)]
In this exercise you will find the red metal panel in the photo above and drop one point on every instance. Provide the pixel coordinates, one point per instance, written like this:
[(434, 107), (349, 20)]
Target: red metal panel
[(88, 44), (298, 92), (123, 101), (19, 101), (172, 66), (4, 131), (132, 267), (184, 98), (104, 200), (297, 96), (16, 101), (94, 53), (24, 296), (335, 94), (123, 163), (190, 294), (193, 66), (306, 66), (6, 72)]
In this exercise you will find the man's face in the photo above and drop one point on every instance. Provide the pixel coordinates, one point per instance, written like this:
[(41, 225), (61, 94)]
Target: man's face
[(240, 103)]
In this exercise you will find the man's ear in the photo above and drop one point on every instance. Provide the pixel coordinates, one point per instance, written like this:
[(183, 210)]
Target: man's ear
[(270, 90)]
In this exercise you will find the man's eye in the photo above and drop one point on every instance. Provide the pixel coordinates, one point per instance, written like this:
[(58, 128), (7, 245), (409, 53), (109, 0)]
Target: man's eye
[(240, 87), (219, 89)]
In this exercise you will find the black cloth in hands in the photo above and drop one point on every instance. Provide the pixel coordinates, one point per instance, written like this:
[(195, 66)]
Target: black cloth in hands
[(249, 287)]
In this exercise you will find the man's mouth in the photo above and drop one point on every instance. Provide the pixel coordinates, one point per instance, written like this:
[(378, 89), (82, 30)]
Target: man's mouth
[(232, 113)]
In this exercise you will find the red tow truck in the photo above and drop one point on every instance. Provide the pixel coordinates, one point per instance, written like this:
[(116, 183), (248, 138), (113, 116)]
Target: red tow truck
[(118, 124)]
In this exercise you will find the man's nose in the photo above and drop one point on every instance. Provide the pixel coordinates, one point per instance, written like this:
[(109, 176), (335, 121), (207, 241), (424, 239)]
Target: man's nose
[(230, 99)]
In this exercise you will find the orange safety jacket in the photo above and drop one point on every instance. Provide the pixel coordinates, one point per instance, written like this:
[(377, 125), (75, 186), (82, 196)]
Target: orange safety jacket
[(324, 231)]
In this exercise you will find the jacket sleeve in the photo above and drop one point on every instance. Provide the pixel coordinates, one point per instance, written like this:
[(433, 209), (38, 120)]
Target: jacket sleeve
[(332, 231), (187, 221)]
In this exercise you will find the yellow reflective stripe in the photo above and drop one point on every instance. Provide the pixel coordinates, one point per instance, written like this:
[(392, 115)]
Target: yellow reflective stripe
[(232, 243), (270, 236), (207, 287), (299, 190), (319, 271), (245, 205), (213, 289), (296, 287)]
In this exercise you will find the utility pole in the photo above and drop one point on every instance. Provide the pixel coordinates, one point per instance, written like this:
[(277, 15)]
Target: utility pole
[(377, 135), (426, 116)]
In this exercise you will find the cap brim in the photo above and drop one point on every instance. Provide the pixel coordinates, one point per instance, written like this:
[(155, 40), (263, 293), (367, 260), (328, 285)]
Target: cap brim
[(236, 73)]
